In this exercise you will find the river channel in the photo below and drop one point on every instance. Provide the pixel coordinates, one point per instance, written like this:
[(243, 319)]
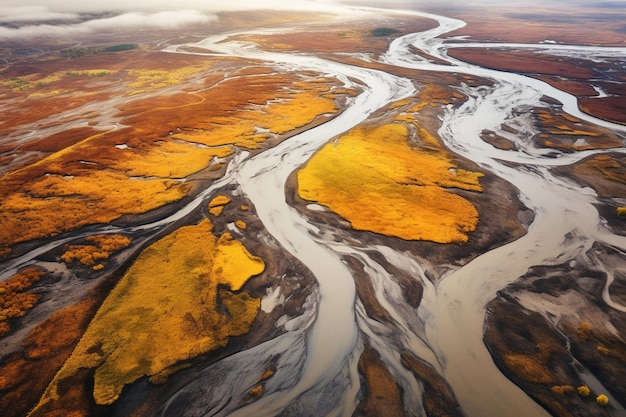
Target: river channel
[(452, 311), (317, 370)]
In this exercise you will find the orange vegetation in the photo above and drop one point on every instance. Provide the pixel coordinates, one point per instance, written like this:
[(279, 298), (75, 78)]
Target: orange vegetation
[(181, 298), (90, 254), (25, 376), (103, 176), (380, 180), (382, 397), (216, 206), (92, 196), (334, 38), (568, 132), (531, 368), (606, 173), (15, 300), (563, 389)]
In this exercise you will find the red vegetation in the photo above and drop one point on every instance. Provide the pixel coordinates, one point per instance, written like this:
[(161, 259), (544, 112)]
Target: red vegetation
[(570, 75)]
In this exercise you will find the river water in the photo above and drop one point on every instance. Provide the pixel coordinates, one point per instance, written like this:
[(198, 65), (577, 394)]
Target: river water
[(317, 370), (447, 330)]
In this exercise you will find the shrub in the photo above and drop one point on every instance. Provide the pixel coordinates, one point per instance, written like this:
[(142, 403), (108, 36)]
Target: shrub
[(583, 391), (602, 399), (621, 212), (383, 32)]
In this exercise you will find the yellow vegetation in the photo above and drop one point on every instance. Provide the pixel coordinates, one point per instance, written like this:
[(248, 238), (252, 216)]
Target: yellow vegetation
[(15, 301), (583, 391), (90, 254), (257, 391), (91, 72), (374, 178), (151, 80), (267, 374), (532, 368), (216, 211), (602, 399), (220, 200), (168, 159), (528, 368), (181, 298), (241, 224), (96, 181), (46, 94), (95, 196), (216, 206), (297, 108), (621, 212)]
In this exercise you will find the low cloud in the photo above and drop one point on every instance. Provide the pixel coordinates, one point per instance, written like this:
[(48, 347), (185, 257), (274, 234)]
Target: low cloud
[(128, 20), (24, 18), (32, 13)]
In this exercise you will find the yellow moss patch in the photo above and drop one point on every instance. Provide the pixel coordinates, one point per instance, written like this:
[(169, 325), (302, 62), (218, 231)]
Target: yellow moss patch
[(302, 109), (528, 368), (256, 391), (91, 72), (267, 374), (241, 224), (151, 80), (92, 197), (216, 211), (242, 134), (295, 109), (15, 300), (166, 310), (583, 391), (216, 206), (168, 159), (377, 181), (51, 93), (220, 200), (90, 254)]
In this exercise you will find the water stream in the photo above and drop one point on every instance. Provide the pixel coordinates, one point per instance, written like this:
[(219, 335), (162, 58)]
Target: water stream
[(452, 311), (317, 373)]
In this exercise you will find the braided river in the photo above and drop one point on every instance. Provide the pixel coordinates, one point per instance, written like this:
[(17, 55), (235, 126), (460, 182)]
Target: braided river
[(317, 370)]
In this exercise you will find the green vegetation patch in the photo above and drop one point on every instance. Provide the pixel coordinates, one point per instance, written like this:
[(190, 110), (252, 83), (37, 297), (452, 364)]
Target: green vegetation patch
[(380, 32)]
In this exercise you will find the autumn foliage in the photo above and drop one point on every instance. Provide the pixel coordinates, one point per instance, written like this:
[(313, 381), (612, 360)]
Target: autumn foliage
[(104, 246), (182, 297), (102, 175), (15, 299), (381, 179)]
